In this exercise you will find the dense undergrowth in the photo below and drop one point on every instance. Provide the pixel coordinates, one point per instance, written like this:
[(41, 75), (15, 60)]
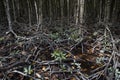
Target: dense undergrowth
[(77, 52)]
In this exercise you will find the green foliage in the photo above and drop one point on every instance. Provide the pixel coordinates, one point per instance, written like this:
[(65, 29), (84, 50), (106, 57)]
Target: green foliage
[(54, 36), (1, 38), (95, 33), (58, 55), (110, 69), (106, 42), (15, 52), (63, 67), (116, 71), (117, 74), (75, 35), (101, 60), (77, 65), (28, 70)]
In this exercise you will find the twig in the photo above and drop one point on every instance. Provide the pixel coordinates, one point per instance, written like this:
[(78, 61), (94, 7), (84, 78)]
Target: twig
[(17, 64)]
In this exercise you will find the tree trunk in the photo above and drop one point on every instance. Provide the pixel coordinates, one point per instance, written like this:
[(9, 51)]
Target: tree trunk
[(81, 11), (77, 12), (29, 13), (6, 4)]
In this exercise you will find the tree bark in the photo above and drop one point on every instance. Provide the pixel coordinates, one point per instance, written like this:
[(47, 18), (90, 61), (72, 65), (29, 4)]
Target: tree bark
[(81, 11), (6, 4)]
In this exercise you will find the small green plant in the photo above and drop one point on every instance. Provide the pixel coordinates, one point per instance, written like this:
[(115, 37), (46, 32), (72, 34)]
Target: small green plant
[(63, 67), (58, 55), (28, 70), (75, 35), (15, 52), (77, 65), (117, 74), (101, 60), (54, 35), (1, 38), (111, 70)]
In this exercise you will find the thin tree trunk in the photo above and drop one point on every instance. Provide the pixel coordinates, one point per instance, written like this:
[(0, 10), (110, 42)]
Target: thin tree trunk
[(61, 7), (111, 9), (9, 17), (114, 11), (40, 14), (81, 11), (100, 14), (29, 13), (77, 12), (36, 11), (18, 7), (107, 11), (50, 10), (68, 13), (14, 13)]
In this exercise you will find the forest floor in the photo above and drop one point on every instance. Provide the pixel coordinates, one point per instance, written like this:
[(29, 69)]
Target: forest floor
[(56, 53)]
